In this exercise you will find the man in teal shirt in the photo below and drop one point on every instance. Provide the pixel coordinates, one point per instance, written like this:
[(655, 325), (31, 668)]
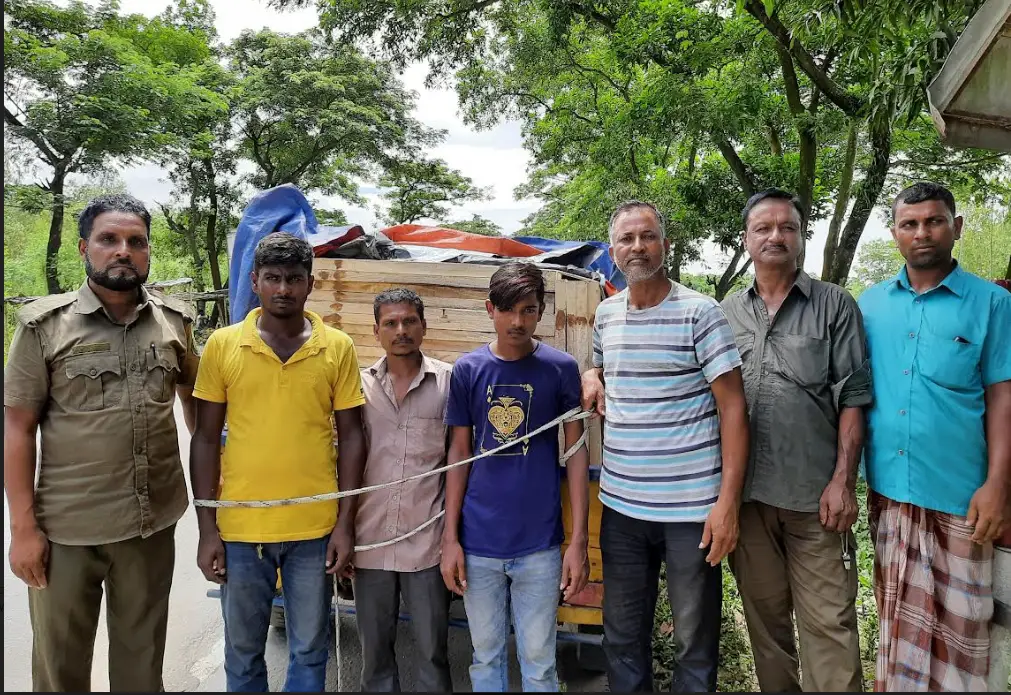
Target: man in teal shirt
[(938, 451)]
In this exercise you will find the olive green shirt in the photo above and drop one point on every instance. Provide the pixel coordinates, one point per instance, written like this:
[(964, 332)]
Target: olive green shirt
[(104, 392), (800, 370)]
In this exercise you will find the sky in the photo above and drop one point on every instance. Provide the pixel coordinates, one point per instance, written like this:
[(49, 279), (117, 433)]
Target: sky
[(493, 158)]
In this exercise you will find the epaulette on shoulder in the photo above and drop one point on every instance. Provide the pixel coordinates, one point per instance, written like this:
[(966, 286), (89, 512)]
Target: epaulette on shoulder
[(176, 305), (31, 314)]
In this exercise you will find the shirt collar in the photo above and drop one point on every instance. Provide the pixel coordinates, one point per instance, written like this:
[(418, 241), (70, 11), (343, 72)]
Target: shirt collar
[(953, 281), (88, 302), (251, 336), (802, 282), (380, 368)]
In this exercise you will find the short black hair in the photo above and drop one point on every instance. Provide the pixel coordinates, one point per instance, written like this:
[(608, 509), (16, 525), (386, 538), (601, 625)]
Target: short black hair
[(921, 192), (398, 295), (115, 202), (514, 281), (771, 194), (282, 249)]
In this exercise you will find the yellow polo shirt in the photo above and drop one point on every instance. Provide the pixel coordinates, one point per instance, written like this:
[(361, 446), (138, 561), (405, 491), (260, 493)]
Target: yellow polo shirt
[(280, 440)]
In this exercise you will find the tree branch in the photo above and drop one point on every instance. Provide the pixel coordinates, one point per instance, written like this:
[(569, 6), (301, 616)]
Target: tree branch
[(549, 107), (790, 80), (476, 7), (849, 104), (24, 131), (738, 166)]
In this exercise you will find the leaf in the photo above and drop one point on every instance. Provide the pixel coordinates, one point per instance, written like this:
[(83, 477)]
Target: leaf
[(770, 6)]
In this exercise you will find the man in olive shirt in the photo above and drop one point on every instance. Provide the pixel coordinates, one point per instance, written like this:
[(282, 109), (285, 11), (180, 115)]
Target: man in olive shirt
[(98, 371), (806, 381)]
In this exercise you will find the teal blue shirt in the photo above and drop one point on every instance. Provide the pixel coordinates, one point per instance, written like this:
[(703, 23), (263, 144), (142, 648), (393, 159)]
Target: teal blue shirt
[(931, 356)]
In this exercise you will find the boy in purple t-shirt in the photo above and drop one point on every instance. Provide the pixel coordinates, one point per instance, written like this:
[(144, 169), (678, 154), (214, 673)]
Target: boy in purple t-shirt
[(503, 531)]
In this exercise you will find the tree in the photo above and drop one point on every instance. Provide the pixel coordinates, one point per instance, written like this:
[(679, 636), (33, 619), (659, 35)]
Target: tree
[(876, 261), (476, 225), (425, 188), (80, 88), (317, 114), (629, 96)]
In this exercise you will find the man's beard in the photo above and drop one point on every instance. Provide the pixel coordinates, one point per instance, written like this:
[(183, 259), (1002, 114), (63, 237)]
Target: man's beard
[(639, 273), (119, 283)]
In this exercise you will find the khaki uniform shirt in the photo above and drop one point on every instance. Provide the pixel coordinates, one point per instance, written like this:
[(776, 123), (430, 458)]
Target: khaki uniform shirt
[(800, 370), (104, 391), (402, 441)]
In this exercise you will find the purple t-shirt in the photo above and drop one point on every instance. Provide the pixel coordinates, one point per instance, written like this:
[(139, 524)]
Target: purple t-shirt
[(512, 506)]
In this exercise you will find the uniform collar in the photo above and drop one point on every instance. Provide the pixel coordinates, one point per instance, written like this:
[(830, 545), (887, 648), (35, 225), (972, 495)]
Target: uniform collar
[(88, 302), (953, 281), (802, 282)]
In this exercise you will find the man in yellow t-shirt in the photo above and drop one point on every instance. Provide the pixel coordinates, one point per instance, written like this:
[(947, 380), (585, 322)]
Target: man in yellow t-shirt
[(281, 377)]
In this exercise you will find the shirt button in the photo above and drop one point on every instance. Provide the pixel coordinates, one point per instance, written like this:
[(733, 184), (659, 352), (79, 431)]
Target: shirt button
[(92, 371), (902, 412), (399, 462), (138, 407), (400, 427), (133, 367), (138, 450), (901, 452), (912, 335), (905, 371), (391, 529)]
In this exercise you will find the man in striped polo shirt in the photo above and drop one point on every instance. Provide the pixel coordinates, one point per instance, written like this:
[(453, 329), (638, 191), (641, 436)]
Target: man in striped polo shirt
[(667, 380)]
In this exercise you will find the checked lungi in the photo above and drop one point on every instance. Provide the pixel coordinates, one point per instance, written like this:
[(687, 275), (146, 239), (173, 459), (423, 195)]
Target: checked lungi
[(934, 591)]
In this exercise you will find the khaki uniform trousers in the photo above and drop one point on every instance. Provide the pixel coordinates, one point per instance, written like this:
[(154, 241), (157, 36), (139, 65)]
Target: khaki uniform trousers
[(137, 576), (786, 563)]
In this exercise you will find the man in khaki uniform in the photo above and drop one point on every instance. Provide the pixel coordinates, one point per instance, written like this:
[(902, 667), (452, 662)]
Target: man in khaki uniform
[(98, 370)]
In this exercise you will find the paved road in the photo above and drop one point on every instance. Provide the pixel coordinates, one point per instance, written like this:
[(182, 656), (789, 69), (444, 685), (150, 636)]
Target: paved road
[(194, 651)]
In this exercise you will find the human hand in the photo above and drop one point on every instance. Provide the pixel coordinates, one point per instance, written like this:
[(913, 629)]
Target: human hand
[(575, 570), (990, 511), (454, 568), (592, 392), (340, 550), (837, 509), (720, 532), (211, 557), (29, 557)]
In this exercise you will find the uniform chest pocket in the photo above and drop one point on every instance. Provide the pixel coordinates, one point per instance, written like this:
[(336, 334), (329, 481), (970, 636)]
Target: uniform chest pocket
[(162, 374), (803, 358), (949, 362), (95, 381)]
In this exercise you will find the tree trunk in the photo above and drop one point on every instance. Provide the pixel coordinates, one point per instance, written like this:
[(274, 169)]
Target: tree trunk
[(732, 273), (211, 236), (55, 229), (842, 201), (866, 197)]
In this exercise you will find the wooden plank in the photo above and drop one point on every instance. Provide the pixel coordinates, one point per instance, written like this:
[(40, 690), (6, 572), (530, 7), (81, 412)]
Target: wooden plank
[(354, 318), (435, 299), (368, 354), (462, 274), (580, 616)]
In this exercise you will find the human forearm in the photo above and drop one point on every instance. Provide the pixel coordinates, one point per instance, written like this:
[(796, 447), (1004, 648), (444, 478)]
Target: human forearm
[(189, 407), (998, 434), (728, 390), (850, 444), (205, 474), (577, 472), (456, 488), (350, 470), (19, 471)]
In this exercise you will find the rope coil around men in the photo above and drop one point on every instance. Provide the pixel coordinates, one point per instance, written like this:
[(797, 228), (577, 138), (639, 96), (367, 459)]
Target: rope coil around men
[(573, 415)]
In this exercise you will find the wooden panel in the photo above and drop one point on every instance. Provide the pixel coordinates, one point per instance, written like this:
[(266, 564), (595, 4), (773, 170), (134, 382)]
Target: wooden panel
[(580, 616), (459, 274), (438, 318)]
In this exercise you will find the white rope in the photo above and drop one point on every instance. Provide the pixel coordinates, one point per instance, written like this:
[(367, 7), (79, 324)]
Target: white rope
[(573, 415)]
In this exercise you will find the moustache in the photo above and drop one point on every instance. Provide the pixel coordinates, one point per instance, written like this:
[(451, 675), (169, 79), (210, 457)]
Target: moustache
[(774, 247), (403, 341)]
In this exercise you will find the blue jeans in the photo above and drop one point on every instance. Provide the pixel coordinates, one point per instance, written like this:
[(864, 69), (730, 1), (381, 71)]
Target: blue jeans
[(246, 601), (529, 586), (632, 551)]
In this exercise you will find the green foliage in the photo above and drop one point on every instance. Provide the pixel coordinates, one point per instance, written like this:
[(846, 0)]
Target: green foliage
[(476, 225), (317, 114), (877, 261), (425, 188)]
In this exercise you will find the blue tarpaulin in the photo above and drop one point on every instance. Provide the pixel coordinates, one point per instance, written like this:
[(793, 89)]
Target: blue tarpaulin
[(603, 263), (280, 209)]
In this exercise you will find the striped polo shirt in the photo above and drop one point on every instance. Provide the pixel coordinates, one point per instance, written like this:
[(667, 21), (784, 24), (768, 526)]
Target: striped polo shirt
[(662, 433)]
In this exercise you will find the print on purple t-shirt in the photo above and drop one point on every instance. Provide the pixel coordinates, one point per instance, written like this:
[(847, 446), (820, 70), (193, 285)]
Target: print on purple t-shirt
[(512, 506)]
